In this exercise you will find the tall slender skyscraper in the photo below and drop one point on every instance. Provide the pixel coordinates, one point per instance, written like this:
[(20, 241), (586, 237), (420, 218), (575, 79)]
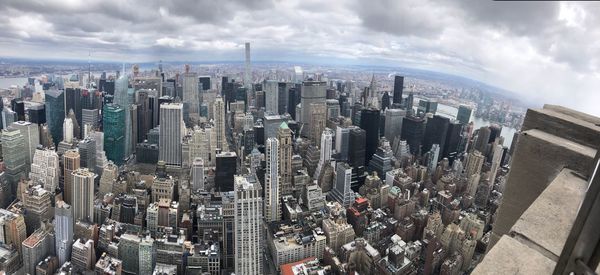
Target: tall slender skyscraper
[(284, 134), (312, 92), (114, 135), (31, 136), (190, 94), (197, 172), (343, 179), (326, 149), (172, 130), (247, 68), (220, 124), (248, 226), (72, 162), (15, 156), (55, 113), (63, 226), (272, 192), (369, 121), (83, 194), (398, 88)]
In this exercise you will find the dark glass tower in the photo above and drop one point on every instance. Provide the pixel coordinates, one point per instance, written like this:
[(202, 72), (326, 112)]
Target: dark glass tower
[(453, 140), (398, 87), (114, 132), (435, 133), (356, 155), (225, 170), (73, 101), (369, 121), (55, 113), (464, 114), (413, 129)]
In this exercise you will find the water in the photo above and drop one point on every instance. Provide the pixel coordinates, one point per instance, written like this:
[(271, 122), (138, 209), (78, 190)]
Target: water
[(450, 112), (5, 83)]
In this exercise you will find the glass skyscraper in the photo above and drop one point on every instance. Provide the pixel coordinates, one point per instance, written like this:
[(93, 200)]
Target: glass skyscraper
[(55, 113), (114, 132)]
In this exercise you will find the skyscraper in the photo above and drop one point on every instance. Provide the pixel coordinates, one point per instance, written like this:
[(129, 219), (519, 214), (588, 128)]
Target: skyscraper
[(190, 94), (197, 172), (272, 190), (284, 134), (271, 89), (31, 136), (326, 149), (247, 68), (474, 163), (123, 100), (63, 226), (248, 226), (312, 92), (219, 108), (464, 114), (226, 167), (45, 169), (172, 130), (72, 162), (55, 113), (413, 129), (393, 123), (369, 121), (15, 156), (318, 121), (342, 142), (398, 88), (356, 156), (435, 133), (83, 194), (341, 191), (114, 136)]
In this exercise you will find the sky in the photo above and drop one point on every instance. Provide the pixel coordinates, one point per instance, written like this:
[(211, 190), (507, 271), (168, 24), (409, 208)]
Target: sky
[(546, 52)]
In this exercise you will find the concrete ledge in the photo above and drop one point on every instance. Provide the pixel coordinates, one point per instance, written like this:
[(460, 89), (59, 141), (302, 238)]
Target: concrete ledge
[(565, 123), (512, 257), (547, 222)]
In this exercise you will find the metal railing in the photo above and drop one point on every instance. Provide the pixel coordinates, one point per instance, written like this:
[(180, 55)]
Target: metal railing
[(581, 252)]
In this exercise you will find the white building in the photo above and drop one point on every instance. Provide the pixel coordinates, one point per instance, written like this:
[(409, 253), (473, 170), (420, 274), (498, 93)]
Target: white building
[(248, 233), (172, 130), (272, 194)]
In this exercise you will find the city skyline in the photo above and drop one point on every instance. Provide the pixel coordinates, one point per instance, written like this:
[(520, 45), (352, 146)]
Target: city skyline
[(541, 51)]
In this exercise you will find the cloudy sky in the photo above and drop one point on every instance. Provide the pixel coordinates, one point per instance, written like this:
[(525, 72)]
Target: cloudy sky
[(547, 52)]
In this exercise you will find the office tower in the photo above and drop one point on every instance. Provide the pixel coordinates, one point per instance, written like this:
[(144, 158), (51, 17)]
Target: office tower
[(37, 247), (427, 106), (219, 108), (197, 172), (89, 120), (76, 130), (272, 186), (228, 208), (357, 154), (129, 252), (398, 88), (37, 113), (37, 203), (333, 109), (147, 255), (15, 156), (226, 167), (283, 95), (341, 191), (312, 92), (247, 69), (326, 149), (318, 121), (68, 130), (124, 101), (453, 141), (144, 114), (109, 175), (114, 136), (369, 121), (63, 226), (482, 139), (204, 82), (87, 153), (381, 162), (83, 256), (55, 113), (393, 122), (433, 157), (190, 98), (271, 125), (342, 142), (474, 163), (31, 136), (248, 227), (201, 145), (271, 90), (464, 114), (436, 131), (12, 228), (71, 162), (284, 134), (8, 117), (495, 131), (385, 101), (413, 129), (83, 194), (172, 130), (497, 152)]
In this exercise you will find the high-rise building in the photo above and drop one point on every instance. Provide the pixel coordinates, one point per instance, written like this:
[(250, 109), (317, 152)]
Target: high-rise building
[(318, 121), (83, 194), (37, 247), (221, 141), (357, 144), (147, 255), (482, 139), (71, 162), (427, 106), (55, 113), (37, 203), (341, 191), (87, 153), (413, 129), (172, 130), (496, 162), (326, 149), (271, 88), (435, 133), (83, 255), (226, 167), (12, 228), (398, 88), (312, 92), (129, 252), (249, 239), (272, 186), (31, 135), (109, 175), (190, 94), (15, 156), (114, 135), (63, 226), (342, 142), (393, 123), (284, 135), (197, 172), (464, 114), (369, 121), (124, 101), (45, 169), (474, 163)]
